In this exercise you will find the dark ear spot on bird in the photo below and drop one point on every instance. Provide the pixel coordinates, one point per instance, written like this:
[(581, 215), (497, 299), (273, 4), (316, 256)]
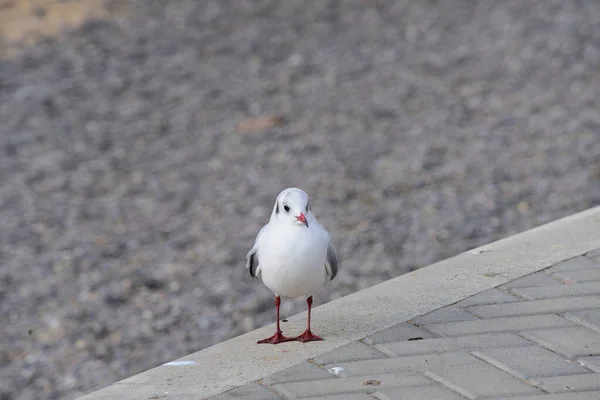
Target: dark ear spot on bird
[(277, 208), (307, 208)]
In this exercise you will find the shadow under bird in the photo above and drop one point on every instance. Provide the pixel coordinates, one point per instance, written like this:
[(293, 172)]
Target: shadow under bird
[(293, 255)]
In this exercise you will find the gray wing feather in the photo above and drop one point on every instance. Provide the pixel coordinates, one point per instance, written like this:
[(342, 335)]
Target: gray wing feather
[(331, 263), (252, 261)]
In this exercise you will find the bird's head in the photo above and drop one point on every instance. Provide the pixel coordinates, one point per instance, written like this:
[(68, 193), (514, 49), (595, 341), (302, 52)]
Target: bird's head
[(292, 207)]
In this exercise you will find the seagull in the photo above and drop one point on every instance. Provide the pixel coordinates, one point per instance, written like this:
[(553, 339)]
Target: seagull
[(293, 255)]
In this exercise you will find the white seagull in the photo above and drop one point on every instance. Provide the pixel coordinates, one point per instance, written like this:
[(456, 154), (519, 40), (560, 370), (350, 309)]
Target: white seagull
[(293, 255)]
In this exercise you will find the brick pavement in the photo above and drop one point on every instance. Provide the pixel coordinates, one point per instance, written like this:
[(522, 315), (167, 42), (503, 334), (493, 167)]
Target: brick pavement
[(534, 338)]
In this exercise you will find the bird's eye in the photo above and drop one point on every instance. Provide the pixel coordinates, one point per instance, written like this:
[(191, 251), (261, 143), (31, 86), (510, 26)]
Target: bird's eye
[(286, 208)]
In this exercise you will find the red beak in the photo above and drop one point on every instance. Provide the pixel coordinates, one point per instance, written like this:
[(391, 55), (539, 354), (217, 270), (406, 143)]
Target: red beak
[(302, 219)]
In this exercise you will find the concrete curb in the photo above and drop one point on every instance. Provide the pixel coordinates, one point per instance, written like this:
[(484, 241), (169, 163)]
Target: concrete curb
[(239, 361)]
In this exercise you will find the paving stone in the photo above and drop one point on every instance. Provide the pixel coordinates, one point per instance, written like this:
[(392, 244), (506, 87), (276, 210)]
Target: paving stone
[(538, 279), (544, 306), (442, 345), (351, 352), (594, 255), (529, 362), (587, 318), (556, 396), (336, 386), (580, 262), (546, 292), (446, 314), (570, 383), (490, 296), (414, 363), (252, 391), (345, 396), (437, 392), (300, 372), (579, 275), (570, 342), (404, 331), (592, 363), (479, 380), (508, 324)]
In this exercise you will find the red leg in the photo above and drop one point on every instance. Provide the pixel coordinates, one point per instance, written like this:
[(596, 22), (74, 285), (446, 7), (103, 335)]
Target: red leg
[(278, 336), (308, 336)]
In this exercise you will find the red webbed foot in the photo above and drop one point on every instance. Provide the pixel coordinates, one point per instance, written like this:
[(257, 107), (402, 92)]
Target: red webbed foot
[(276, 338), (307, 336)]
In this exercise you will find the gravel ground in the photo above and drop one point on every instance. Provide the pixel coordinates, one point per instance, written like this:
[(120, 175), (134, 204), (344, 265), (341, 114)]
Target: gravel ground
[(139, 158)]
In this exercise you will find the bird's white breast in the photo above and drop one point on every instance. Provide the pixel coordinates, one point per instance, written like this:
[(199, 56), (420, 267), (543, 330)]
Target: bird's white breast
[(292, 259)]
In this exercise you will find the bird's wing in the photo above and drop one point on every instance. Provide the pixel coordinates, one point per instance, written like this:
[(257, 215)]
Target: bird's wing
[(331, 262), (252, 263)]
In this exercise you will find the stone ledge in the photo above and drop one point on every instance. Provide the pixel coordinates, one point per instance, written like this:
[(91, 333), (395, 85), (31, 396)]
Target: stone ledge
[(240, 361)]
